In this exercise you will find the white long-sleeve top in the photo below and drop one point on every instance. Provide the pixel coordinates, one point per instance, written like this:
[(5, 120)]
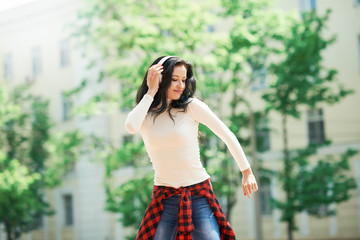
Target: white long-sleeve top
[(173, 148)]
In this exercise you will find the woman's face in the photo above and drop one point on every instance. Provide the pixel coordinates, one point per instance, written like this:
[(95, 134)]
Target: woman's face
[(177, 85)]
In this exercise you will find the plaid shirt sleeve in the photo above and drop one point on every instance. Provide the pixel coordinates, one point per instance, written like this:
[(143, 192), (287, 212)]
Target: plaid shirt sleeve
[(185, 226)]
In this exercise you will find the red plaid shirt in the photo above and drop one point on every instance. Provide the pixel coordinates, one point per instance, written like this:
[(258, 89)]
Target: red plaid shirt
[(184, 226)]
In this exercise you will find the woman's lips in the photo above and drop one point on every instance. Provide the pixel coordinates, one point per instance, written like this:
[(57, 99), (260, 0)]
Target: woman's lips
[(178, 91)]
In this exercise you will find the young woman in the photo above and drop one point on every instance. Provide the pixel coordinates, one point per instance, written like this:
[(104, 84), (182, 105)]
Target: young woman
[(183, 204)]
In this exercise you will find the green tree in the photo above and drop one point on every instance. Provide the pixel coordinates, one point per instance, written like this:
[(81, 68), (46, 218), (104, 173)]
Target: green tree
[(129, 39), (32, 161), (241, 62), (16, 195), (302, 80)]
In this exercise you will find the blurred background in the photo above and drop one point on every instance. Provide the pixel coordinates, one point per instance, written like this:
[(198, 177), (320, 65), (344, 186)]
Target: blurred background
[(283, 75)]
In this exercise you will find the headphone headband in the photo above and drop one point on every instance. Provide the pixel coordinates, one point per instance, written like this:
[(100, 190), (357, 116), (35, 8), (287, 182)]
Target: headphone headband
[(164, 59)]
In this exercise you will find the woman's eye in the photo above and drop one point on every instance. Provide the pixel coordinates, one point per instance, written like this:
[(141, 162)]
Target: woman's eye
[(181, 80)]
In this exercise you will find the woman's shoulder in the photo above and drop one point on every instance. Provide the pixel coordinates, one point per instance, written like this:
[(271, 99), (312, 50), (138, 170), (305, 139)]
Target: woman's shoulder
[(195, 102), (197, 107)]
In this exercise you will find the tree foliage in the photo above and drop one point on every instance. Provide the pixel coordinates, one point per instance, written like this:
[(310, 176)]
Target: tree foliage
[(130, 202), (31, 160), (129, 38), (16, 195), (301, 79)]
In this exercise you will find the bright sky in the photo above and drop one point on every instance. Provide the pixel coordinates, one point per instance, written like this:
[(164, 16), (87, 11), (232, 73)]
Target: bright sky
[(9, 4)]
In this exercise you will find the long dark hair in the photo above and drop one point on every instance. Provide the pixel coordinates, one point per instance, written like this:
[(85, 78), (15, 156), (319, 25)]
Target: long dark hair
[(160, 96)]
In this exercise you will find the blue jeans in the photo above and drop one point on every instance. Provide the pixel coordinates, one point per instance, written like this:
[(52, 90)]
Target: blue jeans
[(204, 220)]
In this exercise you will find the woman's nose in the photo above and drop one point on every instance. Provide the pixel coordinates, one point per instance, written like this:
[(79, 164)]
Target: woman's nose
[(181, 84)]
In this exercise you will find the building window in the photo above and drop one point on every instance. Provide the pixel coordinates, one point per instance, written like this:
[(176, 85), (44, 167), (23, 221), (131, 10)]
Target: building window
[(36, 61), (262, 135), (127, 139), (265, 196), (211, 28), (322, 209), (315, 124), (68, 209), (64, 53), (38, 221), (258, 77), (166, 33), (307, 5), (66, 107), (8, 67)]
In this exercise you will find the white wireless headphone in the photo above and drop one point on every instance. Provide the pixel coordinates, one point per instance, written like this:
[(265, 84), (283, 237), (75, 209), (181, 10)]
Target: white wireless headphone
[(164, 59)]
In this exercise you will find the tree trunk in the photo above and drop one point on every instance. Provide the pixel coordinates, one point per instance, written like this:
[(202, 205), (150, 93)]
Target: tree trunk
[(258, 219), (231, 198), (8, 228), (287, 174), (231, 201)]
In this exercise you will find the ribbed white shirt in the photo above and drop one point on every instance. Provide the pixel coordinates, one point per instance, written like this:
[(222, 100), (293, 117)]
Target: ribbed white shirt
[(173, 148)]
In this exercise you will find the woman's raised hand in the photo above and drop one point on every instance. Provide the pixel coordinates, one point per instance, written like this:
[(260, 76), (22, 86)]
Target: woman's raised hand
[(153, 78)]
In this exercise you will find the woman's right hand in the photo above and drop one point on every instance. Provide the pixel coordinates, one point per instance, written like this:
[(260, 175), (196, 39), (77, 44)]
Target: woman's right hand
[(153, 78)]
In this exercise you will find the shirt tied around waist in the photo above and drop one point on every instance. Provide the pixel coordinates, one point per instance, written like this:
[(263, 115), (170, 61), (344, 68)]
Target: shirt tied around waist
[(185, 225)]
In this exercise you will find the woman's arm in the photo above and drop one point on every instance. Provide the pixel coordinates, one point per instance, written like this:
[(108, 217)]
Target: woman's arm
[(136, 117), (202, 113)]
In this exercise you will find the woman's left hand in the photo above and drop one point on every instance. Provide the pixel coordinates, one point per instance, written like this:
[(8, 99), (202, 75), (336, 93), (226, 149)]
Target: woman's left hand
[(249, 184)]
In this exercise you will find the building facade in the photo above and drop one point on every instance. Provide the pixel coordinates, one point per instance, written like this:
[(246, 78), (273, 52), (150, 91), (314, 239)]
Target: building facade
[(35, 47)]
